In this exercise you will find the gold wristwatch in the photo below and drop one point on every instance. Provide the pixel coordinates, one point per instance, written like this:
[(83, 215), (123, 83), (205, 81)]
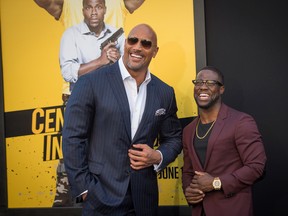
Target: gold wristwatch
[(216, 183)]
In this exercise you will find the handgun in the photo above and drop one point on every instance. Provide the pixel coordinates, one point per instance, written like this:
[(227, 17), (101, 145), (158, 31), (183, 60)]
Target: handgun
[(113, 38)]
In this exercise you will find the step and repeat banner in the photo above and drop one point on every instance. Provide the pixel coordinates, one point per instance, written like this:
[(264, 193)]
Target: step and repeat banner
[(33, 109)]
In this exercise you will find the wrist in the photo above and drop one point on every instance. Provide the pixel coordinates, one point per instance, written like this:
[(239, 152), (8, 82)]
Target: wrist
[(217, 183), (159, 157)]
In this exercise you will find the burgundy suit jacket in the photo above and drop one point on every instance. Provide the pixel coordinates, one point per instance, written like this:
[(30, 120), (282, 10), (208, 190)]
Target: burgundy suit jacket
[(236, 154)]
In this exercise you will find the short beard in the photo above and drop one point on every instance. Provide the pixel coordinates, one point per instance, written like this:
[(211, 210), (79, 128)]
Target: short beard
[(211, 103), (134, 68)]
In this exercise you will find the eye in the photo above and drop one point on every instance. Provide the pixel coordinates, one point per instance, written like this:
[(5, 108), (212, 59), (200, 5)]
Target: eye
[(211, 82), (197, 82), (146, 44), (132, 40)]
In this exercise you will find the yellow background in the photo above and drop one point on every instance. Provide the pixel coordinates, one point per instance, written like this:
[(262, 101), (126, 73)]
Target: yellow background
[(32, 79)]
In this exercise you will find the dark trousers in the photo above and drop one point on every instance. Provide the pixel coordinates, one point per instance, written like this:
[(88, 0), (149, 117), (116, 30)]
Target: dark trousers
[(126, 208), (203, 212)]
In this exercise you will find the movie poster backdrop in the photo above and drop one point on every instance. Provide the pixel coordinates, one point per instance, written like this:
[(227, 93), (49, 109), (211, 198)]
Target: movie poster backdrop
[(32, 82)]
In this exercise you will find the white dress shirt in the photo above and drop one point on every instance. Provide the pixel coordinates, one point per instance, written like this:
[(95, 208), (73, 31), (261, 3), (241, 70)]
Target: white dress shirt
[(137, 99)]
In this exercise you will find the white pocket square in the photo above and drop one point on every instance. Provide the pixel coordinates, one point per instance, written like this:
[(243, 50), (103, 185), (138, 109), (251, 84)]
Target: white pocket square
[(160, 112)]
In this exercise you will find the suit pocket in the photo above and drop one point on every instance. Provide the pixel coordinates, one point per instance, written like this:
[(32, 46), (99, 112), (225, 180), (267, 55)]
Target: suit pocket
[(95, 168)]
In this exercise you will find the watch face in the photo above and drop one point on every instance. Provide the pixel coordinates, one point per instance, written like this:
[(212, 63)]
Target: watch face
[(217, 183)]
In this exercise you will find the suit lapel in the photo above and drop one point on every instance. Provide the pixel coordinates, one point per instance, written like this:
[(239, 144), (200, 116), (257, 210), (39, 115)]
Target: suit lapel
[(118, 88), (219, 124)]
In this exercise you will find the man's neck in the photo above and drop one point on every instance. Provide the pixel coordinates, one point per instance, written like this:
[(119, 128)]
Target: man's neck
[(210, 114), (139, 76), (97, 30)]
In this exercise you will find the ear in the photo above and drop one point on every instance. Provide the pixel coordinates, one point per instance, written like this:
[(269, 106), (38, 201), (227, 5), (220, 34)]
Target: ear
[(222, 89), (105, 9), (155, 52)]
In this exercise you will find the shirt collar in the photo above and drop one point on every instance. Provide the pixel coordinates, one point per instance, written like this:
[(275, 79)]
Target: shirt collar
[(84, 29), (125, 74)]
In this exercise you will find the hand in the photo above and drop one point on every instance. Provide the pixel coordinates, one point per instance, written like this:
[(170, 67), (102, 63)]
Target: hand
[(84, 196), (193, 195), (110, 53), (202, 181), (143, 156)]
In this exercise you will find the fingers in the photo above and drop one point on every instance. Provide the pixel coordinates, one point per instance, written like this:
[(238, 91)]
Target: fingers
[(138, 161), (194, 196), (137, 165), (136, 158), (199, 173), (110, 45), (142, 156), (112, 54), (194, 200)]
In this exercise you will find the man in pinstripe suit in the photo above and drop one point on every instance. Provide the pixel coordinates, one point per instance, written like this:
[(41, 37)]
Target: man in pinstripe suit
[(113, 117)]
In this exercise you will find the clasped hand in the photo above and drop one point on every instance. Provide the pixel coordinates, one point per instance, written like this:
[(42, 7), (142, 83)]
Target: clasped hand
[(200, 184), (142, 156)]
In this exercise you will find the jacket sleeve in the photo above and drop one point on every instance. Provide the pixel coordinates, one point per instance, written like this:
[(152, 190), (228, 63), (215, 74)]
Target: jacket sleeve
[(249, 144), (77, 119), (170, 136)]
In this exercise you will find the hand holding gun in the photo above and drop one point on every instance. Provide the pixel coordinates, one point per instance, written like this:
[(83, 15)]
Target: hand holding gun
[(113, 38), (109, 51)]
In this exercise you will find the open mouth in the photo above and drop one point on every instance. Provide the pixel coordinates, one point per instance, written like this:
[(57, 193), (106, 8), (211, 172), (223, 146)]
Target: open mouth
[(203, 96), (133, 55), (136, 57)]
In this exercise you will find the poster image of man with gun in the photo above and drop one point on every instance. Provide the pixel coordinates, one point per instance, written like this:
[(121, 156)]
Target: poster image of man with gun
[(80, 48)]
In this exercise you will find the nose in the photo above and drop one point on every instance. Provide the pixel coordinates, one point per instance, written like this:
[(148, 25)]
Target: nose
[(94, 10), (138, 45), (203, 86)]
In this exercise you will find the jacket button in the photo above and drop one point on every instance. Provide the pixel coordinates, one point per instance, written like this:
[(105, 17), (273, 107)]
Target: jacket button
[(128, 172)]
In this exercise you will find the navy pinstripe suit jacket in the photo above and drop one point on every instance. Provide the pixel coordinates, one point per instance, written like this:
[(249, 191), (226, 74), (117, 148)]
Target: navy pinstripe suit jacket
[(97, 136)]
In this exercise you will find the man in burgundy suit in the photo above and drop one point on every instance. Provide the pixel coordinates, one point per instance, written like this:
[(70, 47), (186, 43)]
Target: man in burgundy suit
[(223, 153)]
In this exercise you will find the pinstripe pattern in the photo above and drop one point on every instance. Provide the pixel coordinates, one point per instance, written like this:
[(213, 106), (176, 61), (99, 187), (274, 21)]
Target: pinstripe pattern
[(97, 122)]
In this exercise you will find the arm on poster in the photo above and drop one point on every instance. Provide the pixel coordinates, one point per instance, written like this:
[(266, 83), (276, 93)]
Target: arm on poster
[(53, 7), (109, 53), (132, 5)]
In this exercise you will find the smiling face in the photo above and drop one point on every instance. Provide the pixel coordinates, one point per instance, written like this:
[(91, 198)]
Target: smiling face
[(137, 52), (207, 97)]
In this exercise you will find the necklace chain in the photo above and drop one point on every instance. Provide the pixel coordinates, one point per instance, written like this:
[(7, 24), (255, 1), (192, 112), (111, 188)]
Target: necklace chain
[(206, 132)]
